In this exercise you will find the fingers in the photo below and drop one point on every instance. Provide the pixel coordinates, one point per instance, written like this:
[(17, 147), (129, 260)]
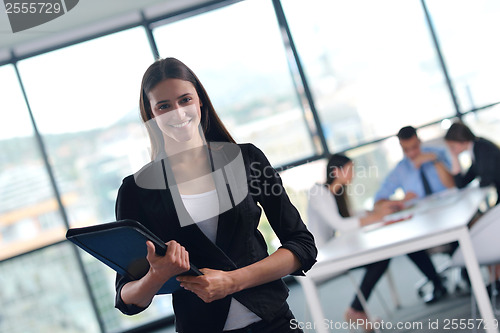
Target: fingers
[(390, 206), (409, 196), (200, 287), (185, 258), (151, 250), (211, 286), (174, 262), (396, 206), (178, 255)]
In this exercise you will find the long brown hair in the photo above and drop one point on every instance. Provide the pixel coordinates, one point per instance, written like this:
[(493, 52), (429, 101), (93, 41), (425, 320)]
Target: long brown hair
[(337, 162), (172, 68)]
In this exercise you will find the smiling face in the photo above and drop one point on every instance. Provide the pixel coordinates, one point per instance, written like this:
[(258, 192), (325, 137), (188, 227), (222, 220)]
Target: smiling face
[(176, 109)]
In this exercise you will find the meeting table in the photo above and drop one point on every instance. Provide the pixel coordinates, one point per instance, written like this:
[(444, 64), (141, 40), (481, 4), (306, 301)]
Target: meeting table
[(436, 220)]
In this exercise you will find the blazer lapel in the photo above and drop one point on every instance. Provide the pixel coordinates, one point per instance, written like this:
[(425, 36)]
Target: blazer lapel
[(227, 213)]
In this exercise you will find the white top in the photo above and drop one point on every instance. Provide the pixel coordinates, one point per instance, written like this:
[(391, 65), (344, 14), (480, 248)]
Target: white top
[(204, 210), (323, 217)]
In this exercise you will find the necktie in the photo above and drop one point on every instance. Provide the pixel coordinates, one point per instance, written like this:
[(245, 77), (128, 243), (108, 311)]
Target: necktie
[(425, 182)]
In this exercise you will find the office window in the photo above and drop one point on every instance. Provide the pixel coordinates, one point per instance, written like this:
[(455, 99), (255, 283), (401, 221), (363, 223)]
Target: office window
[(372, 67), (485, 123), (44, 292), (85, 102), (29, 214), (468, 35), (238, 54)]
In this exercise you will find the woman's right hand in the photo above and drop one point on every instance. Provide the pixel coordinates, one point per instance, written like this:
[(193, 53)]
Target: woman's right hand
[(174, 262), (380, 210), (387, 207), (161, 269)]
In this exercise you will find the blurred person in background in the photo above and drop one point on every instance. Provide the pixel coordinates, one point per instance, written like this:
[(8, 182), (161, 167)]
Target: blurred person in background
[(422, 171), (485, 166), (485, 156)]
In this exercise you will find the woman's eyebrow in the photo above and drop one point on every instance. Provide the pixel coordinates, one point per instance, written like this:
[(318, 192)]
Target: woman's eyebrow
[(167, 100), (184, 95)]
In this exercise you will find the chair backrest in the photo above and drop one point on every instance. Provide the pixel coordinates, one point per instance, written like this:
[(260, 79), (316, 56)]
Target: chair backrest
[(485, 236)]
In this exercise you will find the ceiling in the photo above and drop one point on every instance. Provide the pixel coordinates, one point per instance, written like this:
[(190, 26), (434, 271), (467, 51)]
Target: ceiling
[(86, 18)]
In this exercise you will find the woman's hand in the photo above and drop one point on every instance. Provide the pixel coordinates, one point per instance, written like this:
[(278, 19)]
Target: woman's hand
[(210, 286), (161, 268), (387, 207), (380, 210), (174, 262), (410, 196)]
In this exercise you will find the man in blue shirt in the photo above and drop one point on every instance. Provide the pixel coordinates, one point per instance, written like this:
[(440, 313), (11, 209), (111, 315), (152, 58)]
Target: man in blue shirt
[(423, 170)]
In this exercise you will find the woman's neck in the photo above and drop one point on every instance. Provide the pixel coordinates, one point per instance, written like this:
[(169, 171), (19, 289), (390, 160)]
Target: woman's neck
[(191, 166), (184, 151)]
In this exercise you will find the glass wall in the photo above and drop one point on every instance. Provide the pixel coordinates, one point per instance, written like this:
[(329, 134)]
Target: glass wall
[(85, 102), (468, 34), (371, 71), (29, 213), (371, 66), (44, 291), (243, 66), (485, 123)]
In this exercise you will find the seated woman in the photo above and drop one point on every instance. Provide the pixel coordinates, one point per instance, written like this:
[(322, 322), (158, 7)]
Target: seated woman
[(328, 212), (485, 157)]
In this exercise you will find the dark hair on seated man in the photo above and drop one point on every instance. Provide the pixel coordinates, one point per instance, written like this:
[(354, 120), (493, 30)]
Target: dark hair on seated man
[(407, 132)]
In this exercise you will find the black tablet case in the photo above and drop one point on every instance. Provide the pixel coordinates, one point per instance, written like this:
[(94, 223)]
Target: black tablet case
[(121, 245)]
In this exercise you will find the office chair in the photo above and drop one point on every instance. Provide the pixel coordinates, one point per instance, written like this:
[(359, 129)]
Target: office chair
[(486, 244)]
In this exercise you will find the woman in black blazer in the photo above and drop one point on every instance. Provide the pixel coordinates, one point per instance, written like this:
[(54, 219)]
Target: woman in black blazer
[(485, 157), (202, 194), (485, 166)]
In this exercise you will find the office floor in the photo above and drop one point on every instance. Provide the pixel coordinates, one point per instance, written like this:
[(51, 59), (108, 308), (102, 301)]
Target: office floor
[(412, 316)]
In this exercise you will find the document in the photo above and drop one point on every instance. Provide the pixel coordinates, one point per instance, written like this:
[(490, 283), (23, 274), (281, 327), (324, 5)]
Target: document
[(121, 245)]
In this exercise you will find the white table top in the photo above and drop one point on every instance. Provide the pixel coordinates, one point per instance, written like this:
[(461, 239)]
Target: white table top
[(431, 216), (436, 220)]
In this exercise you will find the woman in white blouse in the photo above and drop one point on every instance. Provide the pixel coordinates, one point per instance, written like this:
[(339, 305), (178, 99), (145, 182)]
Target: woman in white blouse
[(328, 212)]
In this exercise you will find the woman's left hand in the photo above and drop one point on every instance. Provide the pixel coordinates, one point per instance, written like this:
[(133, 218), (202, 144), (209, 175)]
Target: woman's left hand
[(210, 286)]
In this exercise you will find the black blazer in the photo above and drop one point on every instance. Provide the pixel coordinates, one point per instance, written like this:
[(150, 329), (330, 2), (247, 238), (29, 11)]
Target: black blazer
[(486, 166), (238, 241)]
